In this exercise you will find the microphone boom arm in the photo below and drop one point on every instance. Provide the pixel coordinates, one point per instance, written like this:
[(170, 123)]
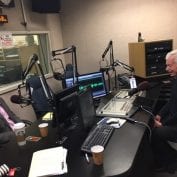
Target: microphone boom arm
[(107, 49), (125, 66), (35, 61), (71, 50), (32, 62)]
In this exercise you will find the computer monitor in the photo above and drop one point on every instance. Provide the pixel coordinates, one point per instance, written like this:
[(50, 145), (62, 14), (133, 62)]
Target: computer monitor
[(87, 109), (65, 103), (94, 80)]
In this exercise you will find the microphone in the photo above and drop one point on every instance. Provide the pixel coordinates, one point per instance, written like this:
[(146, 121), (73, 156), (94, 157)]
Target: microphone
[(17, 99), (142, 86)]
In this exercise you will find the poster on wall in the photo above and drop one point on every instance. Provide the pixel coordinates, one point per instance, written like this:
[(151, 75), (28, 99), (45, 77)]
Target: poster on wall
[(6, 40), (7, 3)]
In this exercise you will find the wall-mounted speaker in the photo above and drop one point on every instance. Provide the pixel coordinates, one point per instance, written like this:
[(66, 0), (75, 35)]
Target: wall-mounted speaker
[(45, 6)]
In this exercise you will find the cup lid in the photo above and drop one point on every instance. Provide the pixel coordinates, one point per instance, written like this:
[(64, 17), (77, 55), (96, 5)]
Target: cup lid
[(19, 125), (43, 125), (97, 148)]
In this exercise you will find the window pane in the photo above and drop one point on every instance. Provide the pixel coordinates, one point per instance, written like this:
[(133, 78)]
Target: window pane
[(14, 60)]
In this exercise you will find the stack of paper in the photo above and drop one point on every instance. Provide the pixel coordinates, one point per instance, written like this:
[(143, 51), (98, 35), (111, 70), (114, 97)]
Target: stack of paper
[(48, 162)]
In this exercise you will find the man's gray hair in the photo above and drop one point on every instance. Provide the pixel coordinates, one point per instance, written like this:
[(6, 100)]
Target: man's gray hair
[(172, 53)]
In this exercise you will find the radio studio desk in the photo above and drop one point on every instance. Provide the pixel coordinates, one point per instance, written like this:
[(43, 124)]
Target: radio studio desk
[(126, 154)]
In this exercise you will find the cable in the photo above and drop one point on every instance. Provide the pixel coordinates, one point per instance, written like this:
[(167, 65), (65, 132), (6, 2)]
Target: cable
[(152, 117), (149, 112), (133, 121), (147, 126)]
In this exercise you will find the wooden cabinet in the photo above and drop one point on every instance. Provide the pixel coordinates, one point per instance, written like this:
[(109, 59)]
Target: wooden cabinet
[(148, 58)]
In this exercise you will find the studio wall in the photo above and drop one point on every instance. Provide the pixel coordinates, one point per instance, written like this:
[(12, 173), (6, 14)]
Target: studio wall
[(90, 25)]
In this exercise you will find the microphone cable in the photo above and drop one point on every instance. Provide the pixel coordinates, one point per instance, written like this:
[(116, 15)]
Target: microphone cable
[(145, 124), (149, 112)]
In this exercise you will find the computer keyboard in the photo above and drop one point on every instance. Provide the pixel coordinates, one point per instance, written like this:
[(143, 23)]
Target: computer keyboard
[(100, 135)]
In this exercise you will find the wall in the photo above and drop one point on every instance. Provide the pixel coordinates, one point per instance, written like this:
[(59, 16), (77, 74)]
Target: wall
[(90, 25), (35, 22)]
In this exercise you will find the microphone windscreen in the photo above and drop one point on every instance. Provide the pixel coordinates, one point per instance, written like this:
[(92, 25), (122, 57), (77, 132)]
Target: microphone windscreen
[(15, 99)]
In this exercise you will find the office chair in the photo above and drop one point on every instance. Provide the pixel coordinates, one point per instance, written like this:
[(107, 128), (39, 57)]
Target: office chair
[(37, 94), (69, 71)]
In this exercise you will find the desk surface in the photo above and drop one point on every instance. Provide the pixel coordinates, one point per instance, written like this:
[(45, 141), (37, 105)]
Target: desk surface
[(119, 154)]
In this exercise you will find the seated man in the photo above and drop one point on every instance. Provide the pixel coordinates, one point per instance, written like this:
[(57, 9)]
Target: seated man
[(165, 123)]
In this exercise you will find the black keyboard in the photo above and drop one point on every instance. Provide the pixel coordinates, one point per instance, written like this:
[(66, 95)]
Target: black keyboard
[(100, 135)]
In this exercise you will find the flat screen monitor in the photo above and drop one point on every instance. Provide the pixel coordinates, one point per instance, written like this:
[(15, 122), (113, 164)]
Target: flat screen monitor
[(87, 109), (66, 102), (94, 80)]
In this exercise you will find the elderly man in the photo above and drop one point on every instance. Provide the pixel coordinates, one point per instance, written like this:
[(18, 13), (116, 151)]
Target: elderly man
[(165, 122)]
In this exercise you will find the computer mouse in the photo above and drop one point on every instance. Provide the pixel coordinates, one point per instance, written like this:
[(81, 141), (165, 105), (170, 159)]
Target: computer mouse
[(112, 121)]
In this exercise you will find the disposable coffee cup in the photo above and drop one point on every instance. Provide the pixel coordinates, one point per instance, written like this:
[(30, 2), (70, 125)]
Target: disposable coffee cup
[(43, 127), (19, 129), (97, 154)]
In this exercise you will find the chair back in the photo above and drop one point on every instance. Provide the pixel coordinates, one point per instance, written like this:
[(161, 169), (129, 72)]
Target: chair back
[(36, 91)]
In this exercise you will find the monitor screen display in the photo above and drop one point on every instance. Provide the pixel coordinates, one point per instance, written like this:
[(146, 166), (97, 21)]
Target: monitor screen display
[(94, 80)]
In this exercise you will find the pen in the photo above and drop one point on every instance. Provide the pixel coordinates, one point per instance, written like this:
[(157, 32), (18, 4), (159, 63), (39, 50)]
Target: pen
[(87, 158), (62, 165)]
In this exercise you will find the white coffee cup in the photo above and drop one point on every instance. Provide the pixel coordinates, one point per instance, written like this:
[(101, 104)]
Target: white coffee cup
[(19, 129), (43, 127), (97, 154)]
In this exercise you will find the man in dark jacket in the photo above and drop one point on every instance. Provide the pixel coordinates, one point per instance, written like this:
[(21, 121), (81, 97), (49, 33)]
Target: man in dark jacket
[(165, 122)]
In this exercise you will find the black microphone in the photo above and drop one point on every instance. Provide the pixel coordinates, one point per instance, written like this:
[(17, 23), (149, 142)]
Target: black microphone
[(142, 86), (17, 99)]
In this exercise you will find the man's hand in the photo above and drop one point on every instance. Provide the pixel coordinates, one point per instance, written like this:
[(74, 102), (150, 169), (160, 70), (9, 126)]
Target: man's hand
[(157, 121)]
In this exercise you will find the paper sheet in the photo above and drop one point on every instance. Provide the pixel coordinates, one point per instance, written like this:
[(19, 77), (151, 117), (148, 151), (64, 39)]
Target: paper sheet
[(47, 162)]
